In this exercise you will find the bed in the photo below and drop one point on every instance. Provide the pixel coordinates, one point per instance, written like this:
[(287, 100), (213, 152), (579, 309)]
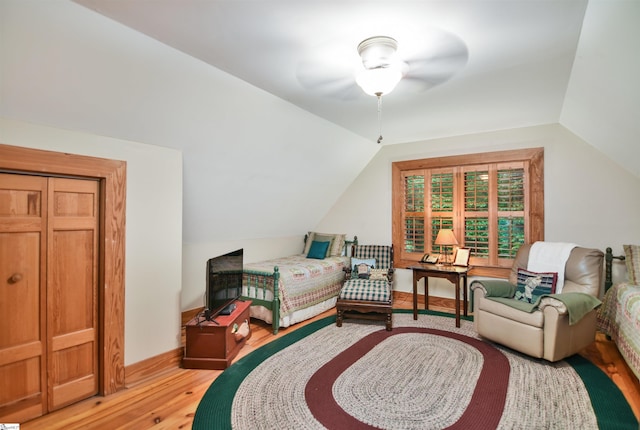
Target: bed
[(291, 289), (619, 315)]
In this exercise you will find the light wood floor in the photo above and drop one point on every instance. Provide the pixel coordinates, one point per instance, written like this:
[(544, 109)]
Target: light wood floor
[(169, 400)]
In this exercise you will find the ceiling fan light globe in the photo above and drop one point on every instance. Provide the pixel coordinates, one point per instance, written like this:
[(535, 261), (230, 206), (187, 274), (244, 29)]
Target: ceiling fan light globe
[(379, 81)]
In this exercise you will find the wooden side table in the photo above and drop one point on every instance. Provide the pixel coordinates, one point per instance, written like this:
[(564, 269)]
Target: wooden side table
[(453, 274)]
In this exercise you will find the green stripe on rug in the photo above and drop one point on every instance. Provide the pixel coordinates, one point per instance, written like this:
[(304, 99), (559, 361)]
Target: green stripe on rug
[(611, 408)]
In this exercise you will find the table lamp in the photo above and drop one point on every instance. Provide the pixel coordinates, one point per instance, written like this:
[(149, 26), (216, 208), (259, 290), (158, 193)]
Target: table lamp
[(446, 238)]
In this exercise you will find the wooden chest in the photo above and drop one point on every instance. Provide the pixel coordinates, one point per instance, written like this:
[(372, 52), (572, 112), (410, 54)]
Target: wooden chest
[(214, 344)]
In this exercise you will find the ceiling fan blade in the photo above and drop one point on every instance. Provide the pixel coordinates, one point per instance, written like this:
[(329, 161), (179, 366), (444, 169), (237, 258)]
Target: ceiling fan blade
[(329, 70), (321, 80), (448, 56), (410, 84), (441, 63)]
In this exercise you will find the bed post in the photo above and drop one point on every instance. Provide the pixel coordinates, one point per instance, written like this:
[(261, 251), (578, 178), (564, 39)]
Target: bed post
[(608, 260), (348, 246), (275, 309)]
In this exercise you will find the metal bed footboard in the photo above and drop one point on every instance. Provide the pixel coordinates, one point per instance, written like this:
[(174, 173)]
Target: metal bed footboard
[(257, 284)]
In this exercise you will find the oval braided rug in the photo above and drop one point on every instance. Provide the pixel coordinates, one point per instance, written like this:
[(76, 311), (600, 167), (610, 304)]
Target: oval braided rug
[(425, 374)]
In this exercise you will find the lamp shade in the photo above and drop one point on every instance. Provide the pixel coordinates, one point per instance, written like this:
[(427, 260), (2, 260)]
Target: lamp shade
[(446, 237), (379, 81)]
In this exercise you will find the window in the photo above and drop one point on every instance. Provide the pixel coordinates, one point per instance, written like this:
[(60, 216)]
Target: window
[(493, 202)]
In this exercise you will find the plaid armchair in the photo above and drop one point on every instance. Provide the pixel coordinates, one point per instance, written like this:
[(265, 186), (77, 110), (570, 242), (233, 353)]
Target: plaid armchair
[(367, 292)]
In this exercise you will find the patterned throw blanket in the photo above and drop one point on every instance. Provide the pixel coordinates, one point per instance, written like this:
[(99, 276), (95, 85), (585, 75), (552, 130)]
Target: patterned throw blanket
[(304, 281), (619, 317)]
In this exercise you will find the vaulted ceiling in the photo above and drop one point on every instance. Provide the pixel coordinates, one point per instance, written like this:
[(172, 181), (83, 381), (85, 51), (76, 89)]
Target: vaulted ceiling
[(527, 62)]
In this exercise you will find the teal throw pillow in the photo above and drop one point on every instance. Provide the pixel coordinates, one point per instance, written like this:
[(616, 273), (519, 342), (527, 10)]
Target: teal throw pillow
[(324, 238), (532, 285), (318, 250)]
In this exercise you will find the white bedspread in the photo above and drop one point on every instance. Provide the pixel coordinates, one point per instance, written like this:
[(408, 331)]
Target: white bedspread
[(550, 257)]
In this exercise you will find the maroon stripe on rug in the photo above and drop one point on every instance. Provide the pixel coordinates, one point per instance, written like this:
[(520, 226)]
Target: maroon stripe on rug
[(483, 412)]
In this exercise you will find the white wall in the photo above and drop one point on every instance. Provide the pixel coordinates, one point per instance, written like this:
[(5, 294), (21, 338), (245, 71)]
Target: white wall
[(153, 259), (589, 199)]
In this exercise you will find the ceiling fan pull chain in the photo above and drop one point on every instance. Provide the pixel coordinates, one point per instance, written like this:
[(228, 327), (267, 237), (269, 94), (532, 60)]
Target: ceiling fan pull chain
[(379, 95)]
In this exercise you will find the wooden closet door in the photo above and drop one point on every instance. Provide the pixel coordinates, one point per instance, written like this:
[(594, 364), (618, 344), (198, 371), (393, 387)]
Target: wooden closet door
[(72, 291), (23, 202)]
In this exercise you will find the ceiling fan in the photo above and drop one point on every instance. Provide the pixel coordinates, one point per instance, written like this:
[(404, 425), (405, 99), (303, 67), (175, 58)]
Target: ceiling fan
[(335, 71), (381, 67)]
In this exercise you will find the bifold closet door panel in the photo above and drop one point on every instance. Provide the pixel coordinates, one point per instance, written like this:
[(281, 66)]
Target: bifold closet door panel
[(72, 291), (23, 388)]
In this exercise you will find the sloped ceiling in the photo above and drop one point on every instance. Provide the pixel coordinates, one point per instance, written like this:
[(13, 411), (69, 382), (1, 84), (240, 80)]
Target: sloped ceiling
[(602, 103), (520, 55), (520, 60)]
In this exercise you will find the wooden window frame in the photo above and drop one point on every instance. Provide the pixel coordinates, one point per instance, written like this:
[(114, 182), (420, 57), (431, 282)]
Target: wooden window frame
[(534, 191)]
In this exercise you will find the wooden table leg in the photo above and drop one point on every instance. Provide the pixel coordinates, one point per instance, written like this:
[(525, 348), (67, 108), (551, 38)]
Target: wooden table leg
[(426, 293), (415, 296), (466, 302), (458, 302)]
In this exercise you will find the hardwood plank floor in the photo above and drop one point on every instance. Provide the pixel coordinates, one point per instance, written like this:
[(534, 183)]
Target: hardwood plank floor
[(169, 400)]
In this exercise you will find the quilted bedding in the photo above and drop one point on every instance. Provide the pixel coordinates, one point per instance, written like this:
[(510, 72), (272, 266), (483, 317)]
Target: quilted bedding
[(304, 282), (619, 318)]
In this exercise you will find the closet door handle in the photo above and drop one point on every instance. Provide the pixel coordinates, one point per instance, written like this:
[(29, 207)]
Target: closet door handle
[(15, 278)]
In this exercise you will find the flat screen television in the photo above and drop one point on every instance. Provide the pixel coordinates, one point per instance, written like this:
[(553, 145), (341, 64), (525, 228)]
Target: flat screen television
[(224, 284)]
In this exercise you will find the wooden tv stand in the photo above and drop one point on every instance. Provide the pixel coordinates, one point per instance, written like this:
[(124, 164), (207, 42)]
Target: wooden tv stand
[(213, 345)]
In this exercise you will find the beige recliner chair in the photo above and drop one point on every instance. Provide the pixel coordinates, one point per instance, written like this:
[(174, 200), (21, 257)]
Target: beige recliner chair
[(559, 326)]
